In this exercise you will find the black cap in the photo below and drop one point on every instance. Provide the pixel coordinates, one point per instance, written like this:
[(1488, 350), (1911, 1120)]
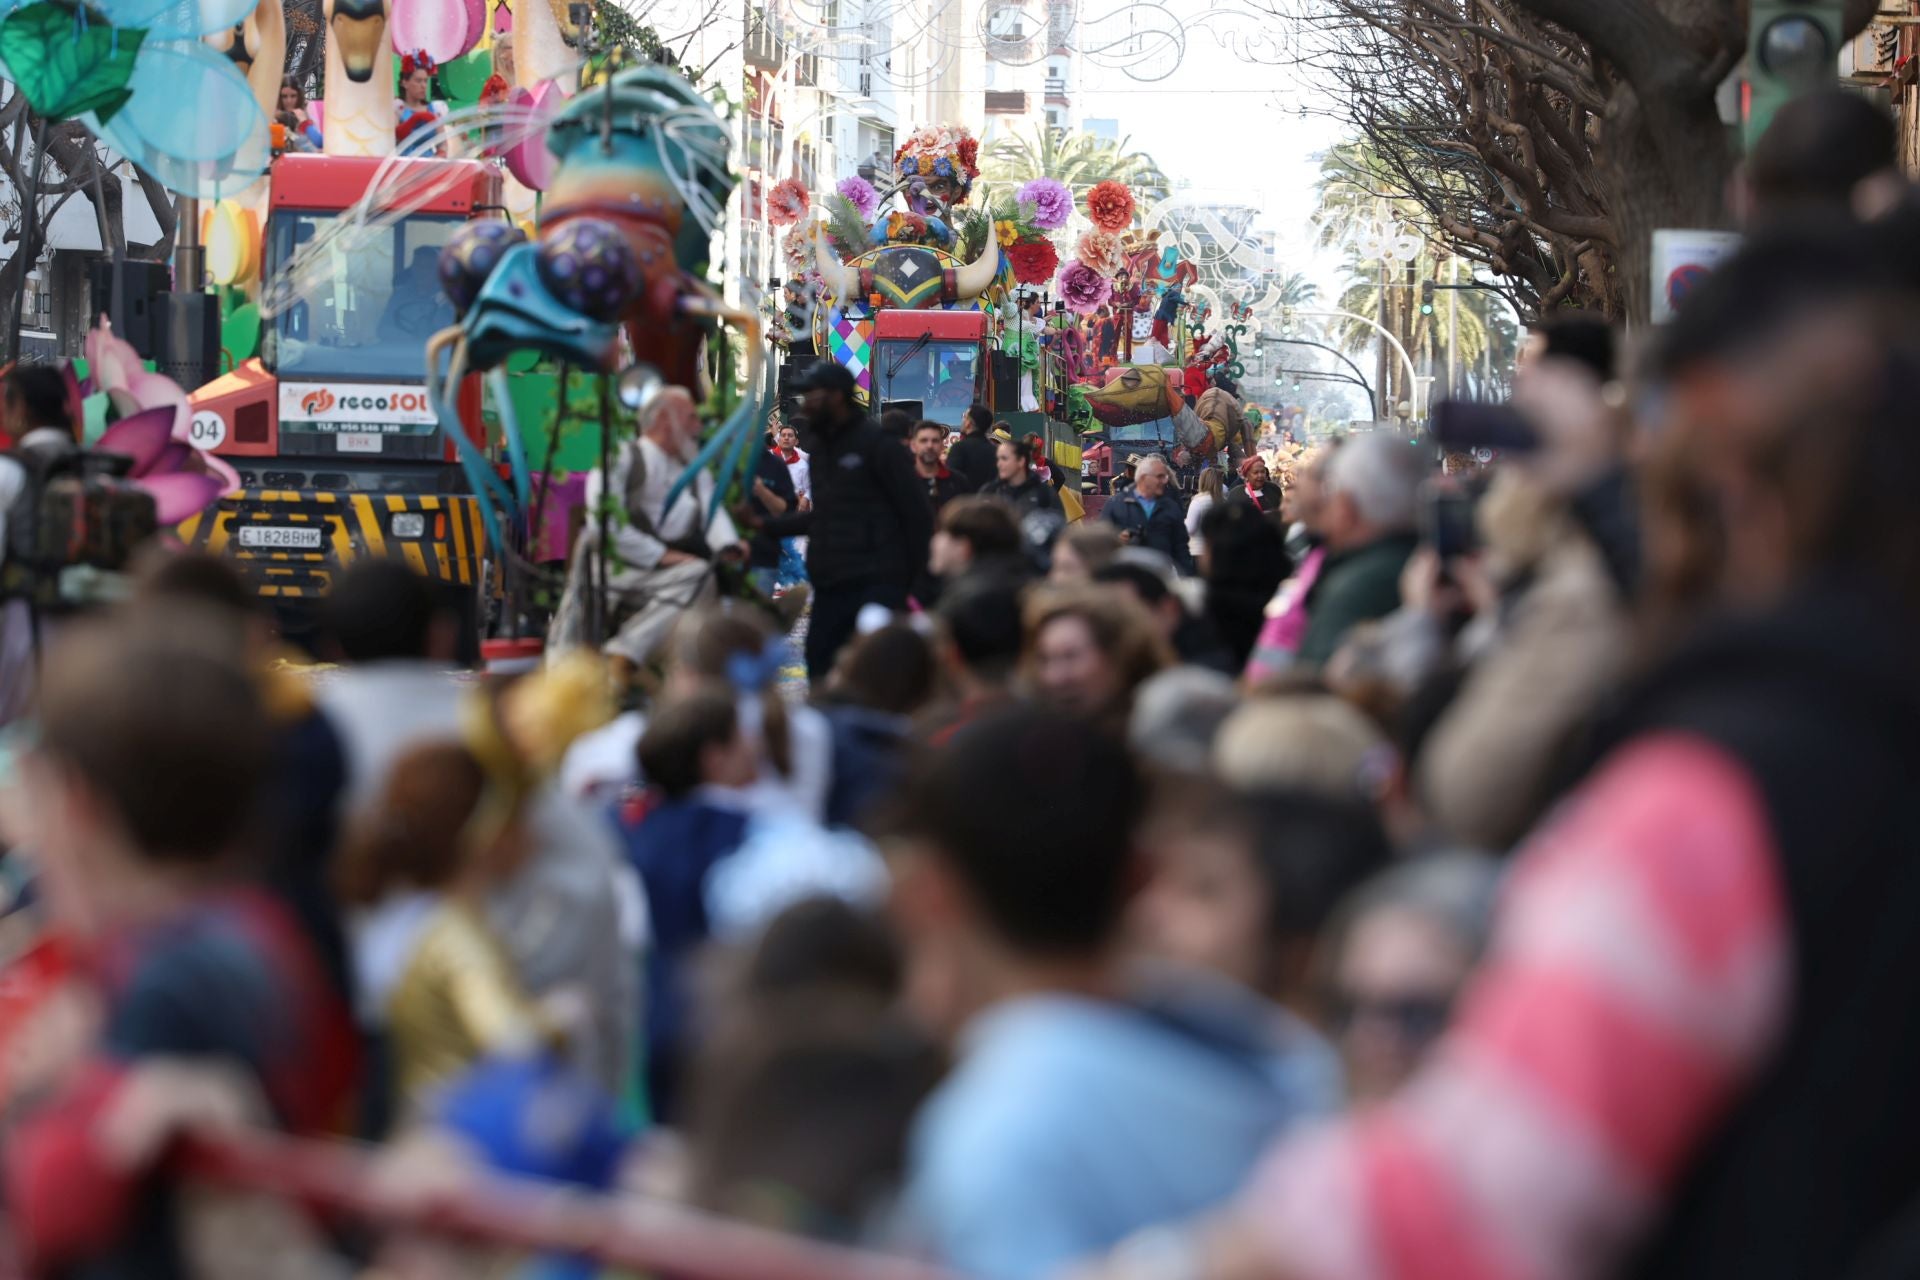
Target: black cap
[(827, 375)]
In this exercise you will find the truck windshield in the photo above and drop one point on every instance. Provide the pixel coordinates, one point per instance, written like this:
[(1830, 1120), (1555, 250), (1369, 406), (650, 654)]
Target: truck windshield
[(942, 376), (371, 316)]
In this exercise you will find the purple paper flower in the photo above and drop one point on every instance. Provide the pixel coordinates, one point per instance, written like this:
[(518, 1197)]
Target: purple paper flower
[(1083, 289), (860, 194), (1052, 202)]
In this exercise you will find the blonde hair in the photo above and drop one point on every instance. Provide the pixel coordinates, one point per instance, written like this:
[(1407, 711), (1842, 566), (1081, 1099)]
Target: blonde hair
[(1212, 483), (1310, 742)]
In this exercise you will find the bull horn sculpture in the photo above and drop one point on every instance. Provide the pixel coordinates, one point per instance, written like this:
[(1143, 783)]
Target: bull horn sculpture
[(840, 280), (978, 276)]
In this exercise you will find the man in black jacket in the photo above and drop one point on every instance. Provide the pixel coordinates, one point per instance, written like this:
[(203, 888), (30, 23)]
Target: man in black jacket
[(1150, 515), (868, 532), (971, 457)]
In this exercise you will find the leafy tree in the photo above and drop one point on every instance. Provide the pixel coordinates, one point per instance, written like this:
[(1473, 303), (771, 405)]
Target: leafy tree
[(1543, 139), (1080, 160)]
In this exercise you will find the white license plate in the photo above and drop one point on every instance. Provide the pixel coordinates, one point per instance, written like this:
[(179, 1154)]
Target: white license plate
[(279, 537), (358, 442)]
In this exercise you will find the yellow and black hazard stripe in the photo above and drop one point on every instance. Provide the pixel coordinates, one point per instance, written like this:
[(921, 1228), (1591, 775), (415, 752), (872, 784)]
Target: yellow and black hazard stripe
[(450, 547)]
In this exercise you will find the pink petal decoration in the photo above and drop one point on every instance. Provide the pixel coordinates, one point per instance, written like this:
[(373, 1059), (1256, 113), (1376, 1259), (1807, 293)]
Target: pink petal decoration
[(217, 468), (438, 26), (155, 389), (123, 402), (177, 456), (111, 360), (529, 160), (183, 494), (476, 23), (143, 436)]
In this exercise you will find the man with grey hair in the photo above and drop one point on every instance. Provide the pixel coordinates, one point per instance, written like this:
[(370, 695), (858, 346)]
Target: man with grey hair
[(662, 560), (1151, 515), (1371, 495)]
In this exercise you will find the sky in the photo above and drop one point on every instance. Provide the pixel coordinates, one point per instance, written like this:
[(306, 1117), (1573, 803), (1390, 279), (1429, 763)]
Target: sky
[(1230, 131)]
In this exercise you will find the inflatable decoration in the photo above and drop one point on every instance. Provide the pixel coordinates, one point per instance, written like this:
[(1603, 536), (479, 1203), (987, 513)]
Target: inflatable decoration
[(137, 73), (1132, 395)]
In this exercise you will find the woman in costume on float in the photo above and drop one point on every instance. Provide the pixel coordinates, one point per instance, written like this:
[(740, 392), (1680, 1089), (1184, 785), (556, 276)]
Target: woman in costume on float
[(414, 111)]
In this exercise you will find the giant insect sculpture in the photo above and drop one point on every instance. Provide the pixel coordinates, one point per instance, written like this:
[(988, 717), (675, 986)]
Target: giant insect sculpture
[(640, 178)]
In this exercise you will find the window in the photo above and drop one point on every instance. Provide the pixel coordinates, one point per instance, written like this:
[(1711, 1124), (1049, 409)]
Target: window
[(371, 315)]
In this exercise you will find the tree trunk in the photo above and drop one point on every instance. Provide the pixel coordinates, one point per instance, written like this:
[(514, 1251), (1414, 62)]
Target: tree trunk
[(1665, 167), (165, 213)]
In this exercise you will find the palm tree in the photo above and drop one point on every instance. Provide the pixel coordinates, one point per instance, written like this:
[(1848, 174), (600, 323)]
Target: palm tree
[(1080, 160), (1295, 289)]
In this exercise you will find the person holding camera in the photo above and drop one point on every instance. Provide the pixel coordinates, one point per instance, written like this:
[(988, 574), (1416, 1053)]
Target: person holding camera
[(36, 430)]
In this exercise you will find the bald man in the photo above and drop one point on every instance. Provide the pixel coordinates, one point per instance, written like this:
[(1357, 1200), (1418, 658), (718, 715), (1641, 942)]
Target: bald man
[(662, 559)]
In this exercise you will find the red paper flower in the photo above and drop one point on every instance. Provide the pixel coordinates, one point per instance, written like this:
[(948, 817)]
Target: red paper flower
[(1110, 205), (1034, 261), (787, 203), (970, 155)]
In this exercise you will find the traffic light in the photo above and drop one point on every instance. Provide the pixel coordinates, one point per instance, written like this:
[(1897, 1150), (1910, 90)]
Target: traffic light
[(1426, 298), (1793, 47)]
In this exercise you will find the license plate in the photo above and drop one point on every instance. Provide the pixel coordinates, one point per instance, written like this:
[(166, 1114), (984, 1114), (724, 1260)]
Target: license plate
[(280, 537), (358, 442)]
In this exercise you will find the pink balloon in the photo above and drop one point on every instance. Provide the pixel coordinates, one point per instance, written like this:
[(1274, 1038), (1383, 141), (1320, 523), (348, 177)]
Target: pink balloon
[(529, 160), (440, 27)]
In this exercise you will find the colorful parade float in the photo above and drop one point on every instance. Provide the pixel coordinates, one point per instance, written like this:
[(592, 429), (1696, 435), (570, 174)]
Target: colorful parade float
[(916, 294), (399, 284)]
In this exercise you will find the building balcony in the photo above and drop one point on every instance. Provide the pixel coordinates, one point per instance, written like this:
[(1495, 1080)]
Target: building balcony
[(1056, 86), (763, 48)]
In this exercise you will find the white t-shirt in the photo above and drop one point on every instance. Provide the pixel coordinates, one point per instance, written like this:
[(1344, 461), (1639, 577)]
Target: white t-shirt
[(1196, 512), (801, 469)]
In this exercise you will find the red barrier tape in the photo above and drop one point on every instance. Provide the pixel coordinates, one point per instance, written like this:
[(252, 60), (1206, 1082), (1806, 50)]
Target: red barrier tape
[(524, 1215)]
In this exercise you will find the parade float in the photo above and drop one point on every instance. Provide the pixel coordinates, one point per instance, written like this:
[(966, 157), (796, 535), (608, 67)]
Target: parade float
[(1140, 352), (913, 292), (421, 288)]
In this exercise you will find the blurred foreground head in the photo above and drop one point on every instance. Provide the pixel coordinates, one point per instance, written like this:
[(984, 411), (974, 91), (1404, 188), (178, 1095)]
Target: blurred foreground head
[(154, 742), (1397, 954), (1816, 156), (1244, 882), (1786, 441), (1013, 849)]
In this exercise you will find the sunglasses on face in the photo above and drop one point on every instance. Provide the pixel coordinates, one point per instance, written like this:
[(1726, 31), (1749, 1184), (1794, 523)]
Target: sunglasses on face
[(1415, 1018)]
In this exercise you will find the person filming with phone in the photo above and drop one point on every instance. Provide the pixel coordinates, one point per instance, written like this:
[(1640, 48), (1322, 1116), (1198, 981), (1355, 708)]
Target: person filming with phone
[(1520, 595)]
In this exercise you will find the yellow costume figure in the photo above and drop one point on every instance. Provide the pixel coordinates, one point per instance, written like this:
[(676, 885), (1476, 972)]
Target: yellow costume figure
[(456, 1000)]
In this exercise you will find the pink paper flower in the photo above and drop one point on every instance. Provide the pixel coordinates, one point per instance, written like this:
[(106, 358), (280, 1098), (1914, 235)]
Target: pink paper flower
[(1052, 202), (152, 428), (787, 203), (183, 480), (1100, 251), (1083, 289), (860, 194)]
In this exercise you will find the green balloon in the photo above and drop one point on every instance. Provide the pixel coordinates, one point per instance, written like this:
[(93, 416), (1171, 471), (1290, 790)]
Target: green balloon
[(462, 78), (240, 332)]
